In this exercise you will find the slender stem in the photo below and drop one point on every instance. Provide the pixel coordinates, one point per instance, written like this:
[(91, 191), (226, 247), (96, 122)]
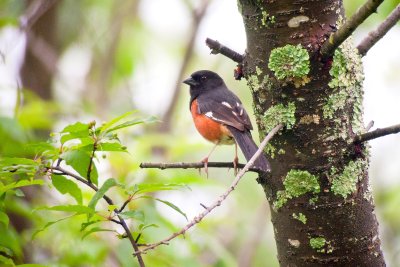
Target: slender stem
[(377, 133), (125, 203), (34, 11), (89, 171), (221, 198), (198, 15), (217, 48), (132, 240), (62, 171), (376, 35), (194, 165), (337, 38)]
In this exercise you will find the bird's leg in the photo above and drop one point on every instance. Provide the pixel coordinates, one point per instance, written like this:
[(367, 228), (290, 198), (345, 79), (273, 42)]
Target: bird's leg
[(235, 161), (205, 160)]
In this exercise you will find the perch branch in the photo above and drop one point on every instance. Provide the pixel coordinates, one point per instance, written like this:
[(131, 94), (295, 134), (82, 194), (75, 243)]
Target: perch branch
[(377, 133), (221, 198), (194, 165), (62, 171), (337, 38), (376, 35), (217, 48)]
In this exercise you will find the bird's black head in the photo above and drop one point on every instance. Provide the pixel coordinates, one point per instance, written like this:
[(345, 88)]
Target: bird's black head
[(203, 80)]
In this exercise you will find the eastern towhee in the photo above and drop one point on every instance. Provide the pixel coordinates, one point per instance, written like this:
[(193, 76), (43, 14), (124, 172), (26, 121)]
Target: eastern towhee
[(219, 116)]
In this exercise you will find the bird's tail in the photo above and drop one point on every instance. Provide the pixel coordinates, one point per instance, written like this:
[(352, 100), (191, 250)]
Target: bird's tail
[(249, 148)]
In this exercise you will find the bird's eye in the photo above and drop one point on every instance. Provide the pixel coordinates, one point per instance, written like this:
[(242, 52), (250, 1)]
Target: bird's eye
[(203, 78)]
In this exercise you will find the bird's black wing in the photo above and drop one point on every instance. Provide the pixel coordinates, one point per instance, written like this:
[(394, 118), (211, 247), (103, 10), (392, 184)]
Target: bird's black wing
[(224, 106)]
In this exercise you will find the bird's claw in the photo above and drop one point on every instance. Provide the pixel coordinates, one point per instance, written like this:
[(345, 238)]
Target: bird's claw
[(205, 161), (235, 165)]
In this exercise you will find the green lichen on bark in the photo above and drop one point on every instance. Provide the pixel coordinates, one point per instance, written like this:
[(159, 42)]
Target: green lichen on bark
[(266, 19), (259, 81), (289, 62), (300, 217), (345, 183), (321, 245), (344, 104), (275, 115), (280, 114), (296, 183), (317, 242)]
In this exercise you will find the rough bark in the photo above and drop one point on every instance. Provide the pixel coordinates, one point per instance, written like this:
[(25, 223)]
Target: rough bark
[(322, 208)]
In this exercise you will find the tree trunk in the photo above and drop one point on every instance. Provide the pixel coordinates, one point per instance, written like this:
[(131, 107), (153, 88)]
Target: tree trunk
[(322, 208), (41, 53)]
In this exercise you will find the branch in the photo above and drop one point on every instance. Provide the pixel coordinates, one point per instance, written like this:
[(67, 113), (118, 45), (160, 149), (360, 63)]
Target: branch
[(217, 48), (198, 15), (221, 198), (34, 11), (337, 38), (90, 167), (194, 165), (62, 171), (376, 35), (377, 133)]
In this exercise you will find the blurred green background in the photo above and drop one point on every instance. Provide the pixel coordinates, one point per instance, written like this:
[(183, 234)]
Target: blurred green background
[(93, 60)]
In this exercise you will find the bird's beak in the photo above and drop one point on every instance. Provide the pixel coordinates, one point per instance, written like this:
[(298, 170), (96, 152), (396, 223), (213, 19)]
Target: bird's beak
[(190, 81)]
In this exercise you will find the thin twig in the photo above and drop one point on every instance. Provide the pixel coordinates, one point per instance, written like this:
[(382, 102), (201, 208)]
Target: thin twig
[(34, 11), (90, 166), (198, 15), (376, 35), (217, 48), (337, 38), (377, 133), (194, 165), (125, 203), (369, 126), (221, 198), (62, 171)]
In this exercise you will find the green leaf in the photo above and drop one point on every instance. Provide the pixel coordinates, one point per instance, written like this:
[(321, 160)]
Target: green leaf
[(101, 192), (50, 224), (44, 148), (78, 209), (6, 261), (169, 204), (18, 184), (131, 123), (11, 130), (107, 125), (87, 224), (74, 131), (79, 160), (104, 146), (146, 188), (77, 127), (66, 186), (111, 207), (117, 147), (142, 226), (19, 193), (4, 218), (133, 214), (17, 161), (97, 229)]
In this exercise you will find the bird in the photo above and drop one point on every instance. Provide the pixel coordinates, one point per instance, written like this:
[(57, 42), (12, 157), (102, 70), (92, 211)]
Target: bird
[(219, 116)]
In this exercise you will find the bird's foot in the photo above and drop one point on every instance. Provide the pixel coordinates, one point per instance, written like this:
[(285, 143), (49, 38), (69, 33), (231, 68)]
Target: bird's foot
[(235, 165), (205, 161)]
